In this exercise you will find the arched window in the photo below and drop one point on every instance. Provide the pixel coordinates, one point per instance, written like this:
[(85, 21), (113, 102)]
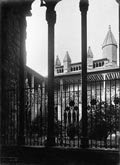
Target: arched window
[(76, 67)]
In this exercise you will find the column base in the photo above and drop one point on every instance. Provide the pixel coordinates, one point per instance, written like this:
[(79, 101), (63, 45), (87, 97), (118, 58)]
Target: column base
[(50, 142), (21, 140), (84, 142)]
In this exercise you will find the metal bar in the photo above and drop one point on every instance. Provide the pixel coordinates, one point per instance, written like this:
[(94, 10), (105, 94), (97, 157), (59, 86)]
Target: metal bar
[(30, 113), (26, 115), (33, 119), (61, 94), (69, 118), (36, 113), (78, 114), (100, 112), (56, 111), (110, 117), (105, 108), (96, 142), (115, 116), (65, 117), (42, 114), (91, 109), (73, 112), (39, 109)]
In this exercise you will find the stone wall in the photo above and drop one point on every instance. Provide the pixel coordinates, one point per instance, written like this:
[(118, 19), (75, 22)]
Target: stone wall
[(11, 47), (13, 59)]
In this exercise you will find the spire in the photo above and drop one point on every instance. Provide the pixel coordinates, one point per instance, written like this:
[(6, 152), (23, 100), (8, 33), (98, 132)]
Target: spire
[(67, 63), (109, 48), (90, 53), (109, 27), (57, 62), (109, 39), (67, 57)]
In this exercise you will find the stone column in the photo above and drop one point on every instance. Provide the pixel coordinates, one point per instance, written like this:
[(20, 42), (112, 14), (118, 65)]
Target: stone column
[(0, 78), (119, 34), (83, 8), (51, 19), (118, 1)]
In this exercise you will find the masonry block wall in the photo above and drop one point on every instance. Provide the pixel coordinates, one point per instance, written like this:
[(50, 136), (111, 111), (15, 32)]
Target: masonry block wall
[(10, 47), (13, 59)]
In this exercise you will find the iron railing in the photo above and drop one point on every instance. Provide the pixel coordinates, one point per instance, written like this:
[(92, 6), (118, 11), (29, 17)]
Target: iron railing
[(104, 111), (36, 116), (103, 92), (9, 117)]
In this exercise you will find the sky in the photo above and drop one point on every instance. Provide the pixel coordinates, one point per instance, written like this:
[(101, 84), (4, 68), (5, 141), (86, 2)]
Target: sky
[(101, 14)]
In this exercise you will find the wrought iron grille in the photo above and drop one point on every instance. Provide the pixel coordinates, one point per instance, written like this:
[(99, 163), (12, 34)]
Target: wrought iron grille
[(103, 92), (36, 116), (9, 119)]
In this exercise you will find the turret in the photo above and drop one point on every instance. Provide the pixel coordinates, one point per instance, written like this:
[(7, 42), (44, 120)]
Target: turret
[(90, 58), (57, 62), (109, 48), (67, 63)]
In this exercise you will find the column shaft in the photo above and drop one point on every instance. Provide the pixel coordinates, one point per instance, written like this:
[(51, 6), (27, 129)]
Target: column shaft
[(84, 8), (50, 17)]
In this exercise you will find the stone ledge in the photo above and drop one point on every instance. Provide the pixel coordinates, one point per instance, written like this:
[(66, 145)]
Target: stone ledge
[(62, 156)]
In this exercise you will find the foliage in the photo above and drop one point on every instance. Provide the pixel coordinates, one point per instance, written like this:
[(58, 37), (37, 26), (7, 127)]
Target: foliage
[(73, 130), (103, 119)]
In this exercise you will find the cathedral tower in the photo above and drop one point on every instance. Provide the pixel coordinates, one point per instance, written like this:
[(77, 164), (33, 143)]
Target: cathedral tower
[(109, 48)]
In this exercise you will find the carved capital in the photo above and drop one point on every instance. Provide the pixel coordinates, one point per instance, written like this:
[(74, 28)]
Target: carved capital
[(49, 2), (51, 14), (83, 5)]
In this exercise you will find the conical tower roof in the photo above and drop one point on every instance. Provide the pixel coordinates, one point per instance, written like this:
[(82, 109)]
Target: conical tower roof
[(90, 53), (109, 39), (67, 57), (57, 62)]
